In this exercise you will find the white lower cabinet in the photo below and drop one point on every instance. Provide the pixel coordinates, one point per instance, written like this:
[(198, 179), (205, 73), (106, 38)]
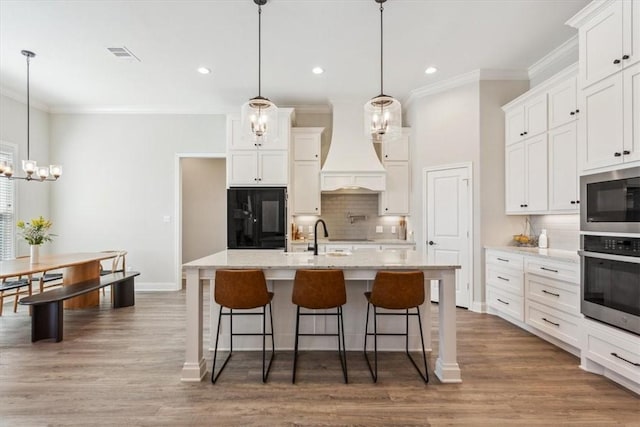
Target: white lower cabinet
[(505, 286), (611, 352)]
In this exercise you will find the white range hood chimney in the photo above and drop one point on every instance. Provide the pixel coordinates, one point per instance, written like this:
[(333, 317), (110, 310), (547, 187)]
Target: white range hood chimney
[(352, 162)]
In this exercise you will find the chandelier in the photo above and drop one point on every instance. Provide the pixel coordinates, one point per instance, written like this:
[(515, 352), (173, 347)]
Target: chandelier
[(259, 116), (382, 114), (32, 171)]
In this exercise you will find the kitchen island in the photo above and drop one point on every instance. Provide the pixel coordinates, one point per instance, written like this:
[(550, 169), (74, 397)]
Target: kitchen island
[(359, 269)]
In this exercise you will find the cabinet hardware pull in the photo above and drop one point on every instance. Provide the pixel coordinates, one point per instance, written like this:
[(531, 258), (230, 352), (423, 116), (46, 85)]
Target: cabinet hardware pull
[(626, 152), (617, 154), (548, 269), (502, 259), (549, 321), (526, 133), (573, 113), (625, 56), (577, 111), (628, 361), (526, 206), (504, 302), (521, 134), (578, 201), (616, 61), (573, 202), (550, 293), (316, 156), (503, 278)]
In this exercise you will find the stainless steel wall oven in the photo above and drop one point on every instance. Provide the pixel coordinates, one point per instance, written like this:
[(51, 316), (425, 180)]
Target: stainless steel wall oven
[(610, 280)]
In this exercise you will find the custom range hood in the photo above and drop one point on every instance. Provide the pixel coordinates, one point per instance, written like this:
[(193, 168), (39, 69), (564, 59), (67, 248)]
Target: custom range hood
[(352, 163)]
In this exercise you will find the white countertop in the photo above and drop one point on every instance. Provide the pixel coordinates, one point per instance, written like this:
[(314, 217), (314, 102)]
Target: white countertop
[(556, 254), (397, 259), (355, 242)]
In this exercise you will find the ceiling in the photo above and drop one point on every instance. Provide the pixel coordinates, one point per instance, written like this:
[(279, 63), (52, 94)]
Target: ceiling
[(73, 69)]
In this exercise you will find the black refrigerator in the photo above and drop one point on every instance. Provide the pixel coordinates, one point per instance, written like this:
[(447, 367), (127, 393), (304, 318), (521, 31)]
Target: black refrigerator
[(256, 217)]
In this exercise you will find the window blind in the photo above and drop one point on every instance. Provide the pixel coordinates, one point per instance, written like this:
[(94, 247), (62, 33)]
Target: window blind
[(7, 209)]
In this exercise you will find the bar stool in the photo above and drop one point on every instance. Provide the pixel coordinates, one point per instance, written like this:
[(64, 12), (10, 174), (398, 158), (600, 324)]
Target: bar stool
[(317, 290), (242, 290), (395, 291)]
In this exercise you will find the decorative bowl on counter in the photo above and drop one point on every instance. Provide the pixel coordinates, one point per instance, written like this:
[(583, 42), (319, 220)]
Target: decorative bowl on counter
[(524, 240)]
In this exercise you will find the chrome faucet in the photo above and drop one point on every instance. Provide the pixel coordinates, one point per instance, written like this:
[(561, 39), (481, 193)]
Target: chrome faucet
[(315, 235)]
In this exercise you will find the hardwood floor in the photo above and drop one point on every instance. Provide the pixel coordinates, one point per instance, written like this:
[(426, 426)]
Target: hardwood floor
[(122, 367)]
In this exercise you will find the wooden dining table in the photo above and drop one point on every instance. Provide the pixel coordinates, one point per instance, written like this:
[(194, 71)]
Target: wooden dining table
[(76, 267)]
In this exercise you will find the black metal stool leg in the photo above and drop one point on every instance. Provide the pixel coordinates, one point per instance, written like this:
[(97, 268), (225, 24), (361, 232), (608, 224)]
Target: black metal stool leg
[(265, 372), (374, 372), (214, 377), (343, 353), (295, 349), (425, 376)]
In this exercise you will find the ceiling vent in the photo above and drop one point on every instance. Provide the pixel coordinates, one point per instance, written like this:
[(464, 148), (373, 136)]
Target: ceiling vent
[(123, 54)]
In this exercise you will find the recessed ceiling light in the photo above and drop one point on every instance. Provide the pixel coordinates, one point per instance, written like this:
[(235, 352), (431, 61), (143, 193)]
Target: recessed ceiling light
[(317, 70), (204, 70), (430, 70)]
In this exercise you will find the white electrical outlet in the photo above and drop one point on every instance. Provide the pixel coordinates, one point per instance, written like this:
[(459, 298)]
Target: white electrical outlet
[(166, 218), (393, 228), (378, 229)]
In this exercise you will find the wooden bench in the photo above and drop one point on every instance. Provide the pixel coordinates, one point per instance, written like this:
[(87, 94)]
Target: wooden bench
[(47, 314)]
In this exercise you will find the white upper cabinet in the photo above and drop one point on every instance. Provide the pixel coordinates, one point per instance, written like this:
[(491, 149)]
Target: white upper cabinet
[(609, 40), (631, 138), (253, 164), (526, 120), (395, 199), (563, 107), (526, 176), (306, 170), (563, 169), (397, 150)]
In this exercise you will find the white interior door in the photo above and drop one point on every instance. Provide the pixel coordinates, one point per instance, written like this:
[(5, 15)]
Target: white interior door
[(448, 225)]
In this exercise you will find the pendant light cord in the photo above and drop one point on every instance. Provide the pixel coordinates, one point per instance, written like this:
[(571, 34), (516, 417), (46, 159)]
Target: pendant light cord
[(259, 50), (381, 51), (28, 108)]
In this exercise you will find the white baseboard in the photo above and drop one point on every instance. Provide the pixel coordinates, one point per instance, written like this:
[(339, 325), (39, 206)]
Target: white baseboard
[(155, 286), (478, 307)]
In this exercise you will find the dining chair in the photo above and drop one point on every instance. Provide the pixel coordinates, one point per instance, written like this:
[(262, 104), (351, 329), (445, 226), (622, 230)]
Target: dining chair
[(14, 284), (118, 265)]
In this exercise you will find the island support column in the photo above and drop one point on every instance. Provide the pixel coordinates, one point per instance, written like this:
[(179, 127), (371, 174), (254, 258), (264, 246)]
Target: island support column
[(447, 368), (195, 367)]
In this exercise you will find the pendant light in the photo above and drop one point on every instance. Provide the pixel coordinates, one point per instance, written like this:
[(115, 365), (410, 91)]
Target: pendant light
[(259, 116), (382, 114), (32, 171)]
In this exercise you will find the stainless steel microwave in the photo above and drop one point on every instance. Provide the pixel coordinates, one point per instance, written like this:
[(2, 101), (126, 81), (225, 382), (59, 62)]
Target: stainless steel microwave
[(610, 201)]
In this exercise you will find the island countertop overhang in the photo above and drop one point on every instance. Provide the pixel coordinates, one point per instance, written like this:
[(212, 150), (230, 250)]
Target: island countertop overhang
[(401, 259)]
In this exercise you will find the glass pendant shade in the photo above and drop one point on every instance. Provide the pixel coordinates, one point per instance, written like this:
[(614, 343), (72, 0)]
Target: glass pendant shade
[(383, 119), (55, 171), (259, 120), (29, 166), (43, 172)]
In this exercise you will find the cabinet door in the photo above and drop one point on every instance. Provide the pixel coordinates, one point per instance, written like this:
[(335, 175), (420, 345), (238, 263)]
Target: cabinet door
[(514, 125), (631, 32), (397, 150), (537, 173), (601, 45), (236, 139), (242, 168), (562, 103), (395, 199), (306, 146), (535, 116), (563, 168), (272, 167), (601, 125), (631, 86), (306, 188), (514, 178)]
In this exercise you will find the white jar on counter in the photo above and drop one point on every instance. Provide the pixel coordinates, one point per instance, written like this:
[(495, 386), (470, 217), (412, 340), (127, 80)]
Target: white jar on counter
[(543, 241)]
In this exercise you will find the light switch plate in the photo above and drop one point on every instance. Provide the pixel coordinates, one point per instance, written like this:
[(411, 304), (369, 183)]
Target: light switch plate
[(378, 229), (393, 228)]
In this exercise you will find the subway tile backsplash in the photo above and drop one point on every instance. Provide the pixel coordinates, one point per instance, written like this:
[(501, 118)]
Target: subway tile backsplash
[(364, 220), (563, 231)]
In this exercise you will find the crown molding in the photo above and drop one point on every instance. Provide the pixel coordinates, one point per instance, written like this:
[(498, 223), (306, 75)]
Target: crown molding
[(556, 55), (22, 98), (560, 76), (593, 8), (311, 109), (464, 79), (139, 109)]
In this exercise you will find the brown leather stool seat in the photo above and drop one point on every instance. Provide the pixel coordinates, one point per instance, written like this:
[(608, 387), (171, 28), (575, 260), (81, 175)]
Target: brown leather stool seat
[(395, 290), (243, 290), (317, 290)]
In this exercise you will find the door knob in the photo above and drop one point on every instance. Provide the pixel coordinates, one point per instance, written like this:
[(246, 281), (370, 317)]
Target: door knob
[(431, 243)]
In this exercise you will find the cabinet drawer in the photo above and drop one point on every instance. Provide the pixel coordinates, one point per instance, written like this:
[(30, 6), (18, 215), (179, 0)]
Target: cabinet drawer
[(505, 279), (613, 349), (506, 303), (569, 272), (565, 327), (559, 295), (505, 259)]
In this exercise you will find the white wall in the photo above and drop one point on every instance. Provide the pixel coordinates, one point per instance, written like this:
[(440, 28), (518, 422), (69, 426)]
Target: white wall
[(119, 184), (32, 198)]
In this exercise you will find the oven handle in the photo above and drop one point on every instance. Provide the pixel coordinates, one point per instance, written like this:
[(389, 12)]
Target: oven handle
[(622, 258)]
